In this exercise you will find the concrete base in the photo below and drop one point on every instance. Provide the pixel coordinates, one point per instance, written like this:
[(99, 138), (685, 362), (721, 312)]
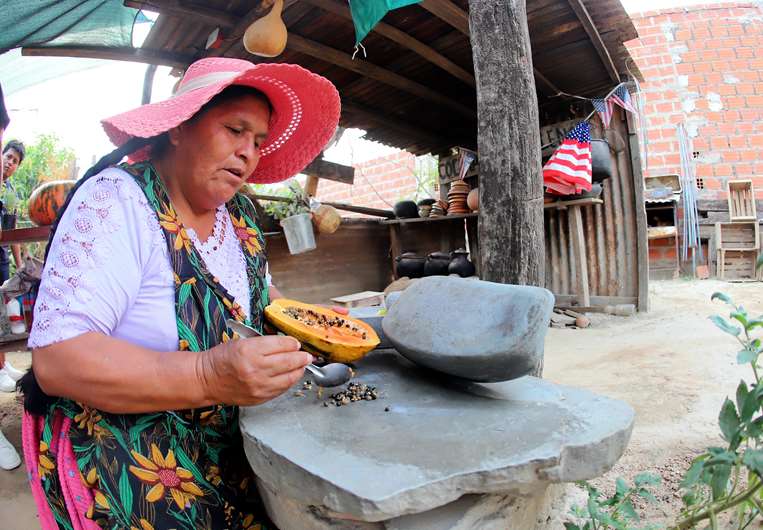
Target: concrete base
[(544, 509)]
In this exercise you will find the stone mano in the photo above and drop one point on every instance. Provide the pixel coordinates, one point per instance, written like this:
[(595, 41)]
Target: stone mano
[(477, 330), (440, 439)]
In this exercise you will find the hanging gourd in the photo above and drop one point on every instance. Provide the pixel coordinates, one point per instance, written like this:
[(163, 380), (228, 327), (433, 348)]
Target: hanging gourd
[(267, 36)]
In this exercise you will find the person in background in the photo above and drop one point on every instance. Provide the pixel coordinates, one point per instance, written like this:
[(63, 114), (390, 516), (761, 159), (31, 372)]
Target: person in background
[(9, 458), (13, 156)]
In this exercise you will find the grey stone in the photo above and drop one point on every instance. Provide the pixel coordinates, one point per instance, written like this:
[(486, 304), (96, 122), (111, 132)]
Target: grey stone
[(477, 330), (370, 315), (439, 439)]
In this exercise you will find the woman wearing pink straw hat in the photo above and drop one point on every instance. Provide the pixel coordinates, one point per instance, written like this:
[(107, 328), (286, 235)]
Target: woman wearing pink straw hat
[(132, 404)]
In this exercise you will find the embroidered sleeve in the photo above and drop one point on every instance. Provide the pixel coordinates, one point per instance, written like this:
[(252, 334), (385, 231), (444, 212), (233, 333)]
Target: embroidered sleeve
[(94, 267)]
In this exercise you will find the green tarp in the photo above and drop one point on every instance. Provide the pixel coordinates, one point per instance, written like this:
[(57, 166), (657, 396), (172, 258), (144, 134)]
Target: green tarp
[(100, 23), (367, 13)]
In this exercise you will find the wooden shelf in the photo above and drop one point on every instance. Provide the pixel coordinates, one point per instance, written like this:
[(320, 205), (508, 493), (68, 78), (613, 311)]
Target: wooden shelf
[(561, 205), (430, 219), (25, 235), (661, 232)]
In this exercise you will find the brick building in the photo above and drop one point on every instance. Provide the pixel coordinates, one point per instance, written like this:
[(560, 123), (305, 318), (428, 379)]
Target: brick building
[(703, 67), (379, 183)]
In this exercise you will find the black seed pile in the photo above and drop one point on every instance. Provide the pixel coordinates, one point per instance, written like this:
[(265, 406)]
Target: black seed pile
[(313, 318), (353, 393)]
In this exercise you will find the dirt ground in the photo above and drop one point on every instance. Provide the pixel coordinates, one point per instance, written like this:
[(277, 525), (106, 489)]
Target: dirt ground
[(671, 364)]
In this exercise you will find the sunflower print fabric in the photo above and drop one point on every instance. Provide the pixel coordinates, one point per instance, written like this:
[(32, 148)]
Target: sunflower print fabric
[(177, 469)]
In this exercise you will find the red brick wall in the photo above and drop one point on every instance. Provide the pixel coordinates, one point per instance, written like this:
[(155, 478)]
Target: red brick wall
[(389, 178), (703, 67)]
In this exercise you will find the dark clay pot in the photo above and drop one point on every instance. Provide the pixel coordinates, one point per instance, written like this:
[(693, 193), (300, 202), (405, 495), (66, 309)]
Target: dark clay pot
[(461, 265), (406, 210), (437, 264), (601, 160), (410, 265)]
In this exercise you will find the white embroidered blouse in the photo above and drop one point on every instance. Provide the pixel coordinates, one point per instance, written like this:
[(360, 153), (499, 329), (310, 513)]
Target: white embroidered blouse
[(109, 270)]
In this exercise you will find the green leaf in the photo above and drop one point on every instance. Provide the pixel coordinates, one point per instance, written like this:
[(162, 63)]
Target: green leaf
[(728, 420), (752, 324), (629, 512), (753, 460), (740, 316), (759, 263), (742, 393), (725, 326), (720, 480), (723, 297), (647, 479), (748, 405), (694, 473), (571, 526), (746, 356), (125, 491), (621, 487)]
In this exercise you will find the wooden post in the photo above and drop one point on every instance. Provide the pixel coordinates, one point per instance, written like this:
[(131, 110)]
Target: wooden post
[(511, 187)]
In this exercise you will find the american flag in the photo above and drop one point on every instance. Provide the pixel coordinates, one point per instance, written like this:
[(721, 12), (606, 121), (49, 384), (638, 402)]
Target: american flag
[(568, 171), (622, 97), (605, 109)]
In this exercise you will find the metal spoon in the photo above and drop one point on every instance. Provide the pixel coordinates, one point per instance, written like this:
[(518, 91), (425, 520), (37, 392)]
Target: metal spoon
[(334, 374)]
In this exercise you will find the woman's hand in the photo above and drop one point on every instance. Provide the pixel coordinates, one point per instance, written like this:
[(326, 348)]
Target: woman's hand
[(251, 371)]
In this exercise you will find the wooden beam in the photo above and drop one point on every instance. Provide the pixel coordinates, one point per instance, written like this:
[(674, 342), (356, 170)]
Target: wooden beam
[(235, 34), (590, 28), (382, 119), (550, 88), (138, 55), (180, 9), (339, 58), (448, 12), (510, 226), (324, 169), (341, 9)]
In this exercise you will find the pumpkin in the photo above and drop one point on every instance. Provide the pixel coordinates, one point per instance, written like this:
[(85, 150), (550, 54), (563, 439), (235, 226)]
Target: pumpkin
[(337, 337), (47, 199)]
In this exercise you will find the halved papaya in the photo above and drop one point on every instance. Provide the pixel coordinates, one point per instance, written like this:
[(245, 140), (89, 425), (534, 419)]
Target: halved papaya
[(337, 337)]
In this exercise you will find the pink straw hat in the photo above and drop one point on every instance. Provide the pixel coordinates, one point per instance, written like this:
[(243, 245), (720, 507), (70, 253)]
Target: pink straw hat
[(305, 114)]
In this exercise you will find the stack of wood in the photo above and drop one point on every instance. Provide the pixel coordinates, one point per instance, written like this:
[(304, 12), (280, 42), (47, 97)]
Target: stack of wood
[(566, 318), (738, 241)]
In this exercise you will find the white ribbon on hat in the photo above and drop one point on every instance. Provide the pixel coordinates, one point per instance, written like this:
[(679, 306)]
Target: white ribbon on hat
[(206, 80)]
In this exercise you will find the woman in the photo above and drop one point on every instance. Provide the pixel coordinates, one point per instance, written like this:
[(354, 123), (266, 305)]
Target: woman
[(134, 423)]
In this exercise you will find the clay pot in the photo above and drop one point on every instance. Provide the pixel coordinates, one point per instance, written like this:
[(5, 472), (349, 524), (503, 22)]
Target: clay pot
[(406, 210), (473, 200), (461, 265), (410, 265), (601, 160), (437, 264), (267, 35)]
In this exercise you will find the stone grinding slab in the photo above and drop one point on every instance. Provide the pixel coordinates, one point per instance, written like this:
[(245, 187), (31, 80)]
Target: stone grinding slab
[(440, 439), (477, 330)]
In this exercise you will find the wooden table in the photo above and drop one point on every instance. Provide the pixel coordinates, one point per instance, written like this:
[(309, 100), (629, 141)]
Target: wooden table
[(578, 243), (25, 235)]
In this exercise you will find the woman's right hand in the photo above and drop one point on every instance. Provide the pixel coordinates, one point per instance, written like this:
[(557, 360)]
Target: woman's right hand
[(251, 371)]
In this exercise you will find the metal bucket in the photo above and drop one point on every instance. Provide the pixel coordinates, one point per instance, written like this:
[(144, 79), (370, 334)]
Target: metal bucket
[(299, 233)]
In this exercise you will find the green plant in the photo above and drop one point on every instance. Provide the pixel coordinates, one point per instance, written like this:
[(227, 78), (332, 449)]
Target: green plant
[(722, 480), (46, 159), (616, 511), (725, 478), (299, 201)]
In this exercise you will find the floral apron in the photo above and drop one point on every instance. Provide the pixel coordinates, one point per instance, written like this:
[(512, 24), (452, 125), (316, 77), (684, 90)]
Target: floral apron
[(177, 469)]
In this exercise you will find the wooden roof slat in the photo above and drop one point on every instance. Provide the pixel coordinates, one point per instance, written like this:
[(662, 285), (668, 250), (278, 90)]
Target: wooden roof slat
[(138, 55), (585, 19), (448, 12), (385, 120), (179, 8), (325, 53), (402, 38)]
